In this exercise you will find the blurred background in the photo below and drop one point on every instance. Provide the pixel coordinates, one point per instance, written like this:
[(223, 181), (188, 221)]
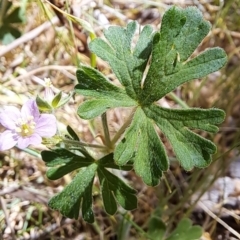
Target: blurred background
[(40, 39)]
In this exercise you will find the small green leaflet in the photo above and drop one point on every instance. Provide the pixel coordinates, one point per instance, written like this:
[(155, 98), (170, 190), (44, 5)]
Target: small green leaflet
[(9, 31), (171, 65), (113, 188), (183, 231), (61, 162)]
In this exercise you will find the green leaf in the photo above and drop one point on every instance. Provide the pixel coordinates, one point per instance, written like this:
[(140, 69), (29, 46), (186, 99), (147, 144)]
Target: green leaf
[(171, 64), (65, 99), (55, 173), (63, 156), (69, 200), (63, 162), (87, 211), (93, 84), (190, 148), (127, 63), (142, 143), (43, 105), (182, 30), (16, 16), (8, 34), (108, 162), (156, 228), (113, 187), (56, 99), (72, 133), (185, 231)]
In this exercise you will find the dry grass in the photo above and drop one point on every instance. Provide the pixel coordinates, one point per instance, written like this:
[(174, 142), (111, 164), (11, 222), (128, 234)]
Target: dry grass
[(55, 50)]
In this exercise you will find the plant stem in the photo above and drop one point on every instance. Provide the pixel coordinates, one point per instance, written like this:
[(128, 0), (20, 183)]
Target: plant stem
[(138, 228), (123, 128), (178, 100), (31, 152), (82, 144), (167, 184), (107, 139)]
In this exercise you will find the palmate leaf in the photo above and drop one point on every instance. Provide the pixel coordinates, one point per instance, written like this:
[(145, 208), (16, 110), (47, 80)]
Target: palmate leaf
[(141, 136), (185, 231), (113, 187), (171, 65), (68, 201), (9, 33), (79, 192)]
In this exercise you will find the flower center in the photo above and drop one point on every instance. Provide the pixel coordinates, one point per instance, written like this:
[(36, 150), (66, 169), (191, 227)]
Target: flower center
[(25, 127)]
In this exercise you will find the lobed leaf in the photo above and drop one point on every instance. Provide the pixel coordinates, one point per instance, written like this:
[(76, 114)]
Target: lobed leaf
[(113, 187), (93, 84), (142, 144), (68, 201), (63, 156), (9, 33), (127, 63), (185, 231), (190, 148), (79, 190), (171, 65), (156, 228), (63, 162), (182, 30)]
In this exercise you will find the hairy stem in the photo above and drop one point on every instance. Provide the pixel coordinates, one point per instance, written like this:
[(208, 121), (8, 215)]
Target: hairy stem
[(81, 144), (123, 128), (107, 139), (178, 100)]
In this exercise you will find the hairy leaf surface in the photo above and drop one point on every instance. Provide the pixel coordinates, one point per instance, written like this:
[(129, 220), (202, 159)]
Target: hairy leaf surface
[(169, 54)]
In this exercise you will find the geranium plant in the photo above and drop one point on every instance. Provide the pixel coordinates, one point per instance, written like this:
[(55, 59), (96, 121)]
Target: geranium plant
[(148, 69)]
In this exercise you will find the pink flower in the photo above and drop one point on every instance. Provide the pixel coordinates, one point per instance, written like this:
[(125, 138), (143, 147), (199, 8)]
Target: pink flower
[(25, 127)]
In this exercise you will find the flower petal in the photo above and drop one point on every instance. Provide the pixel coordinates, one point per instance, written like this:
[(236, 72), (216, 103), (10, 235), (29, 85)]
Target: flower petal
[(7, 140), (34, 139), (8, 117), (30, 108), (46, 126)]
